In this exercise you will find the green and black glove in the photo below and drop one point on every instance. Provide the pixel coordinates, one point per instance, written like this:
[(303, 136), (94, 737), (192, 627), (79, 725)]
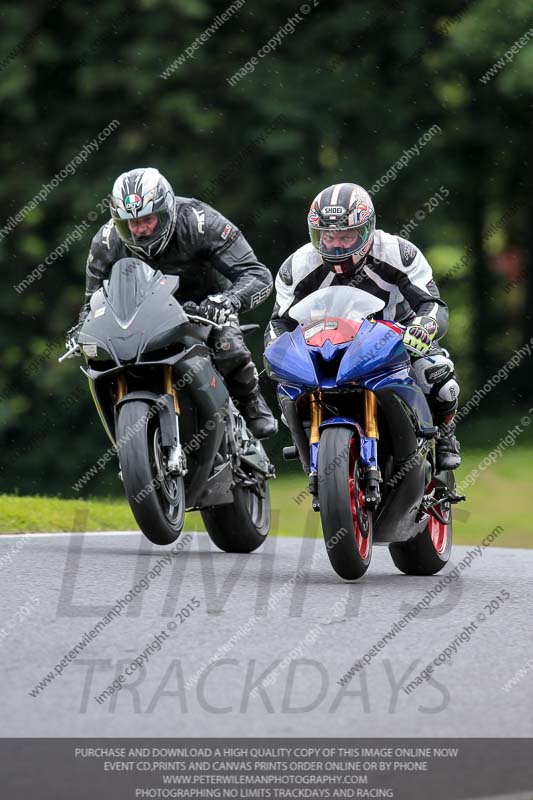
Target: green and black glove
[(419, 335)]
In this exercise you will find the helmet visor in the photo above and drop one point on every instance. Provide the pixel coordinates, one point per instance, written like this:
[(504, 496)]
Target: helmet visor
[(144, 231), (339, 243)]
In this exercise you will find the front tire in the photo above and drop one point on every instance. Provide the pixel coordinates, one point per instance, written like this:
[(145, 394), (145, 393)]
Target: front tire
[(241, 526), (156, 498), (346, 524), (430, 550)]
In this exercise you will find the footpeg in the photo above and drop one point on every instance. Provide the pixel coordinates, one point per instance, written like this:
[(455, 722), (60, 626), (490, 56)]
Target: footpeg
[(428, 432), (456, 498), (290, 453), (438, 496)]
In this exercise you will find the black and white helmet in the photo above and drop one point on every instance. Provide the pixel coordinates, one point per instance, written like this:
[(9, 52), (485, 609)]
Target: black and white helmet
[(140, 193)]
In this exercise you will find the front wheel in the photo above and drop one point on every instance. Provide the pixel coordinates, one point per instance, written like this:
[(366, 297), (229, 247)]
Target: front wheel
[(241, 526), (346, 523), (156, 498), (430, 550)]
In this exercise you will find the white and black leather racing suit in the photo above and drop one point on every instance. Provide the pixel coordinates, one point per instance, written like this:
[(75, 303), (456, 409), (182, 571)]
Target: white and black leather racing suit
[(395, 271), (211, 256)]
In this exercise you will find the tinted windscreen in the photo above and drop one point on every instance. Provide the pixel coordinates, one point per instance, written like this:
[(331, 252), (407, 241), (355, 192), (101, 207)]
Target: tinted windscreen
[(346, 302), (131, 280)]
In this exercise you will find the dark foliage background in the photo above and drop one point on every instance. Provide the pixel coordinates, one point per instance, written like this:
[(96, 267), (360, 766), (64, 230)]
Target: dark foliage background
[(341, 98)]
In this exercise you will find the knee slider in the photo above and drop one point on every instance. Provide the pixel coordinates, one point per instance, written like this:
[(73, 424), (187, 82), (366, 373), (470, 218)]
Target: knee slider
[(446, 394), (437, 374), (231, 354), (432, 373), (449, 390)]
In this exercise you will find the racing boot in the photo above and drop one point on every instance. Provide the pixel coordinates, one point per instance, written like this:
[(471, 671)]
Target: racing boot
[(448, 449), (257, 414)]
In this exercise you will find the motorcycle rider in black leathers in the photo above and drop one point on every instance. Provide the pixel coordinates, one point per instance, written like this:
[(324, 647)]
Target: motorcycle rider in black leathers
[(347, 250), (217, 269)]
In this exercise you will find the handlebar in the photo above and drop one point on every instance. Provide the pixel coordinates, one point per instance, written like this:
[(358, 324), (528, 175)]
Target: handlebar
[(195, 318), (190, 309), (72, 352)]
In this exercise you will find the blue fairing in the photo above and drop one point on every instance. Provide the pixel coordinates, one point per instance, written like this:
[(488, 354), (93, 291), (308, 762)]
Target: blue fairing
[(376, 349), (292, 392), (288, 359)]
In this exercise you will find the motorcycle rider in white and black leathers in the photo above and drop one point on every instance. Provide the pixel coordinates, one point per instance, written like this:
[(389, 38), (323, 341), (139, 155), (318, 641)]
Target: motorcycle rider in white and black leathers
[(217, 269), (347, 250)]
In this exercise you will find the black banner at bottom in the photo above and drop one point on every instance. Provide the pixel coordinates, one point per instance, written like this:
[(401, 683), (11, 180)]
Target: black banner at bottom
[(131, 769)]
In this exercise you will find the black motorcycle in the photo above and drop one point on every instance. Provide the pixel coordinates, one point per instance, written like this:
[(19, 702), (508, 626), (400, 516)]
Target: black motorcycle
[(182, 444)]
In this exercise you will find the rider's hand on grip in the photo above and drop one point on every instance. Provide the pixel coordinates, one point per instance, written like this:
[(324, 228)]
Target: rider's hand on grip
[(419, 335), (71, 335), (189, 307), (219, 307)]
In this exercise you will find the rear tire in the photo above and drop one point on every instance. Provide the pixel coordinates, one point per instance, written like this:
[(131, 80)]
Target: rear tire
[(241, 526), (156, 499), (346, 524), (430, 550)]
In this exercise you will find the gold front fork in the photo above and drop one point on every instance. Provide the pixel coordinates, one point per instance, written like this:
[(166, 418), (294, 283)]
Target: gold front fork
[(371, 415), (316, 417), (170, 388), (121, 387)]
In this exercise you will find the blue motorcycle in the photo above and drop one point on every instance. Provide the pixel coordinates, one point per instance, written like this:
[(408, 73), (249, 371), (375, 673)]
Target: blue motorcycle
[(364, 434)]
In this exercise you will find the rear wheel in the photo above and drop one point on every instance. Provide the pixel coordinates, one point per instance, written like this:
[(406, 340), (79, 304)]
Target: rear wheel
[(241, 526), (156, 498), (430, 550), (346, 523)]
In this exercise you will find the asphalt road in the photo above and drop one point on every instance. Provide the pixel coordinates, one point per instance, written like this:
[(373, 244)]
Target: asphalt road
[(283, 598)]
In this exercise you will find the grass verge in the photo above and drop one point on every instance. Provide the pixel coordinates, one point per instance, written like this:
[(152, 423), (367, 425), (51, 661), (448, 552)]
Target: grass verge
[(500, 496)]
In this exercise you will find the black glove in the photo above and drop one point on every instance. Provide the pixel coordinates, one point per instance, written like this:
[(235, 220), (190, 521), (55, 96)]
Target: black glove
[(72, 336), (189, 307), (219, 307), (72, 333)]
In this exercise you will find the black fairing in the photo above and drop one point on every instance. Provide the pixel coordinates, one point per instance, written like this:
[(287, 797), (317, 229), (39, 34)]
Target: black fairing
[(131, 282), (133, 314)]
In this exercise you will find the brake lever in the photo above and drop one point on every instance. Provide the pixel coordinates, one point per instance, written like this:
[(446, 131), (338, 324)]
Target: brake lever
[(420, 355), (72, 352), (196, 318)]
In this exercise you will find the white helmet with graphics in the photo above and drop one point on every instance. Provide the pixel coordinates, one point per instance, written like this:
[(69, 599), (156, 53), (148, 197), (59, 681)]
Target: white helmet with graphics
[(341, 224)]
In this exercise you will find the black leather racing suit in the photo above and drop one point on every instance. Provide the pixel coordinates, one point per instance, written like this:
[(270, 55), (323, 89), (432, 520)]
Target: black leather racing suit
[(210, 255)]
